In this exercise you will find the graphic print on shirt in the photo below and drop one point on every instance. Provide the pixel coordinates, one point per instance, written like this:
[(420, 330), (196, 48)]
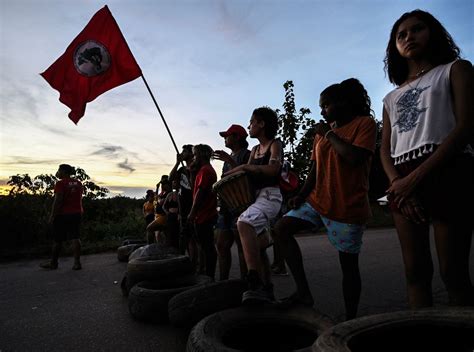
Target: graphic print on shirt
[(184, 182), (408, 109)]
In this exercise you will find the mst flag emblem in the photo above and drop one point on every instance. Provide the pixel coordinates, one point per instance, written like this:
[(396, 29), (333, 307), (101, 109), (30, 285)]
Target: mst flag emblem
[(97, 60), (91, 58)]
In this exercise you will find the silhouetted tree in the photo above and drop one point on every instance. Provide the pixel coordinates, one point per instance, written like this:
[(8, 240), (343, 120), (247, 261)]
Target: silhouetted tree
[(44, 185), (296, 131)]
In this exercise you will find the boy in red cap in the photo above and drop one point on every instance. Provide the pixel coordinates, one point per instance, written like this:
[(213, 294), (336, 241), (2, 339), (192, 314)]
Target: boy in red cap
[(236, 140)]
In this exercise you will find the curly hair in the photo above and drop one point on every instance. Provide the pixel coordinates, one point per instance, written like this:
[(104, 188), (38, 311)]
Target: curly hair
[(442, 48), (204, 151), (270, 117), (352, 95)]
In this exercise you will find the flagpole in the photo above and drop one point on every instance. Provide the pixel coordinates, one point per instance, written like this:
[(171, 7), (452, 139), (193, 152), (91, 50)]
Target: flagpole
[(162, 117)]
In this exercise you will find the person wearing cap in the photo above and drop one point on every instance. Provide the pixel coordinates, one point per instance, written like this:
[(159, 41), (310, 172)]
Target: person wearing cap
[(235, 138), (66, 216)]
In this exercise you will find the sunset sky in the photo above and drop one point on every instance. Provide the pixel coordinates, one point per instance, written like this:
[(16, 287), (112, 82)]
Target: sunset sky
[(209, 63)]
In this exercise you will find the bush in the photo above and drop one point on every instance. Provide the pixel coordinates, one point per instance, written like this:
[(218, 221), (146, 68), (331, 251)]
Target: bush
[(106, 222)]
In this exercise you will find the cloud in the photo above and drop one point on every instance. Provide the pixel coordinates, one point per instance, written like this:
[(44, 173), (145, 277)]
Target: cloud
[(21, 160), (235, 22), (19, 99), (126, 166), (202, 122), (132, 192), (110, 151)]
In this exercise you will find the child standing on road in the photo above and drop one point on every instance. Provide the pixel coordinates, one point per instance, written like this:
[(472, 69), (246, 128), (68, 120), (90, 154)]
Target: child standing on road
[(335, 194), (427, 127)]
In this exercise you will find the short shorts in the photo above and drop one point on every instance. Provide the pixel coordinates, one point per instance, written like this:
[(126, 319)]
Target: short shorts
[(346, 238), (264, 210), (226, 221), (66, 227), (441, 192)]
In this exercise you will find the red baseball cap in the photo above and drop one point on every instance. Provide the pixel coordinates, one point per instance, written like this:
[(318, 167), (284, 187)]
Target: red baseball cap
[(235, 129)]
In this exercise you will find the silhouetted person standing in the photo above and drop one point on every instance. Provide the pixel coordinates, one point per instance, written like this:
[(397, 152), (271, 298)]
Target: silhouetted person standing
[(66, 214)]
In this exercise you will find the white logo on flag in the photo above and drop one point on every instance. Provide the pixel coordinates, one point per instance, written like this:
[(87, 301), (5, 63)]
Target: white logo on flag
[(91, 58)]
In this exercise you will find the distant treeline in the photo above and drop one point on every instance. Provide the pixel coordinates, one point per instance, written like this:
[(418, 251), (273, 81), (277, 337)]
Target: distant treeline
[(25, 227)]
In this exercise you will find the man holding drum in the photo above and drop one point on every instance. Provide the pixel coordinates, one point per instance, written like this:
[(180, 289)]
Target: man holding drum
[(235, 138), (263, 169)]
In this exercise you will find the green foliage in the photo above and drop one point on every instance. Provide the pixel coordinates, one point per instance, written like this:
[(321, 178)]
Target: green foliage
[(25, 221), (25, 211), (296, 130), (44, 185)]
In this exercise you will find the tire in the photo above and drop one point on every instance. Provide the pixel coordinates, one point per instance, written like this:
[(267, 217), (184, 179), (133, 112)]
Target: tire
[(149, 250), (157, 267), (133, 241), (189, 307), (148, 301), (258, 329), (420, 330), (123, 252), (123, 285)]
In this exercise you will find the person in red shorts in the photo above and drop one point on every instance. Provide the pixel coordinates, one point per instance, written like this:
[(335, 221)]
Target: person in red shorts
[(66, 214)]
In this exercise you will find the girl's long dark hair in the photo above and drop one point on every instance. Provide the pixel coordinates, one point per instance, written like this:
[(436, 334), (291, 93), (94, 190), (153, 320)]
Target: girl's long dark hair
[(352, 95), (269, 116), (442, 48)]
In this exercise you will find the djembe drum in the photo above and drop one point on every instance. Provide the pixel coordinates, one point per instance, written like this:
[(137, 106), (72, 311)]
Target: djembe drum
[(235, 191)]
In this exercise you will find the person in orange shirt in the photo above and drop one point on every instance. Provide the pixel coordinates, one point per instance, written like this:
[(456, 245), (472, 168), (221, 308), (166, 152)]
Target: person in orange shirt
[(335, 194), (149, 207)]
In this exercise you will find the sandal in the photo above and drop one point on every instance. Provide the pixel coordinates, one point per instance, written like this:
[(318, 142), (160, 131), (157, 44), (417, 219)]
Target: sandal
[(295, 300)]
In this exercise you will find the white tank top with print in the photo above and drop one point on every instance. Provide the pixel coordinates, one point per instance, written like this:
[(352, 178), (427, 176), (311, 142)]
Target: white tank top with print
[(421, 115)]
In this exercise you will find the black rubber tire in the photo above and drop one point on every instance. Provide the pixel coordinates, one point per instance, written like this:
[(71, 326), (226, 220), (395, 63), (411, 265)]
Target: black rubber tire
[(148, 301), (189, 307), (264, 328), (123, 252), (134, 241), (123, 285), (157, 267), (149, 250), (447, 329)]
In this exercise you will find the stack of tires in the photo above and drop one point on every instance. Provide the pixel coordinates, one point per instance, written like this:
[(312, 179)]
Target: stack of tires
[(189, 307), (127, 247), (154, 275)]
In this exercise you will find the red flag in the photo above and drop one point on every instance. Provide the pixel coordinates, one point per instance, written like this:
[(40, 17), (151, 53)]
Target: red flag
[(97, 60)]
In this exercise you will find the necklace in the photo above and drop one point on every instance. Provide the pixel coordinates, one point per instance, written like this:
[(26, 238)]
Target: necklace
[(419, 74)]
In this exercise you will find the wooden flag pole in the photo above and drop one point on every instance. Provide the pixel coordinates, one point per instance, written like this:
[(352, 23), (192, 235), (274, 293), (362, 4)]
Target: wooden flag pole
[(162, 117)]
